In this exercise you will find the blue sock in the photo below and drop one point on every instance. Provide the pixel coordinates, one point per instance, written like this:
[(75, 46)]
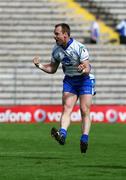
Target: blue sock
[(84, 138), (63, 132)]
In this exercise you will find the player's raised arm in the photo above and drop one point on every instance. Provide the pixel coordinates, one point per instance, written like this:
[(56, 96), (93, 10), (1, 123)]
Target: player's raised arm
[(48, 68)]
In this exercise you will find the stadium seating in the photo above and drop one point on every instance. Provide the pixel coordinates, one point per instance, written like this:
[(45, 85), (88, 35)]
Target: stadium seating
[(109, 68), (111, 11), (26, 30)]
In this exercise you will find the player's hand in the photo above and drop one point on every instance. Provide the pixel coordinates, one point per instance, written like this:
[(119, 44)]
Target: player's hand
[(36, 60), (81, 68)]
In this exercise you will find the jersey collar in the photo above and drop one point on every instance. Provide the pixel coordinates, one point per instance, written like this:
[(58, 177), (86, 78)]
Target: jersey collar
[(68, 44)]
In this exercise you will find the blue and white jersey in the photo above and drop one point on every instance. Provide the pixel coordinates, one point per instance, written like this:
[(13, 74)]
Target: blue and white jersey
[(70, 57)]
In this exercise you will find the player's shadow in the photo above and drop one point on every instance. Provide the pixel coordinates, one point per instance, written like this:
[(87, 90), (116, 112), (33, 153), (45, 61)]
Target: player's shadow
[(103, 166), (31, 157)]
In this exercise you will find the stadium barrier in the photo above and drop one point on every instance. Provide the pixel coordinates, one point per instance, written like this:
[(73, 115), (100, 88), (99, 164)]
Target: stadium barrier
[(52, 113)]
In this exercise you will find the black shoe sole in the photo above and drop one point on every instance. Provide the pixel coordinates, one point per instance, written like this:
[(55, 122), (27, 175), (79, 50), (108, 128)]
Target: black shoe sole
[(83, 147), (55, 134)]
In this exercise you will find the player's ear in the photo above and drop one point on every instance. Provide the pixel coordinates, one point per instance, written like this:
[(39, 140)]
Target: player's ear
[(65, 35)]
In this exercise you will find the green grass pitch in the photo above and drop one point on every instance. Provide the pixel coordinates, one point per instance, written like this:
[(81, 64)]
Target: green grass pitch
[(27, 152)]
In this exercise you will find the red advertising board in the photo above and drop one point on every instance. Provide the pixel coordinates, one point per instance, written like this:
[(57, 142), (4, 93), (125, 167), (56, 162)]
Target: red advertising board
[(52, 113)]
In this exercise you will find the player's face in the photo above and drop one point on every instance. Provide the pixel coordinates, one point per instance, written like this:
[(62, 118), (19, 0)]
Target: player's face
[(59, 36)]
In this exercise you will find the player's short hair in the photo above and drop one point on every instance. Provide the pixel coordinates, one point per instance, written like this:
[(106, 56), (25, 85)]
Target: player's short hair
[(65, 27)]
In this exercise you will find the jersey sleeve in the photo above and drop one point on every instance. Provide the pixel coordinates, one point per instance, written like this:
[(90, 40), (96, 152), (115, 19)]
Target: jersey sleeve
[(82, 51), (53, 60), (84, 55), (54, 55)]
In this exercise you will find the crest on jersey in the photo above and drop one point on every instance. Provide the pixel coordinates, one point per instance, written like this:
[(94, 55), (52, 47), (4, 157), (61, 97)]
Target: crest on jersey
[(66, 61)]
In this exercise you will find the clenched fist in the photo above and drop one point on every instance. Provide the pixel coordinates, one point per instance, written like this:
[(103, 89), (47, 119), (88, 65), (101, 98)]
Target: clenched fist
[(36, 60)]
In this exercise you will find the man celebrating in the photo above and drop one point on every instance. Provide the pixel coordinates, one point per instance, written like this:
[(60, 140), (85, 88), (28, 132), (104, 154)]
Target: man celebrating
[(78, 83)]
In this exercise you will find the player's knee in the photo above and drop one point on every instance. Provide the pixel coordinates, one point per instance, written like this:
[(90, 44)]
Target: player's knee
[(84, 111), (67, 108)]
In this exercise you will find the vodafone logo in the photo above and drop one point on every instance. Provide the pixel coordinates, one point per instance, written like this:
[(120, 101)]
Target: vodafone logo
[(40, 115), (9, 116), (111, 115), (97, 116), (33, 114)]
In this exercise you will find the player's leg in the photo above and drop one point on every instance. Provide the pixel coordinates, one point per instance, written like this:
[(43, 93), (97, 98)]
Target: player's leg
[(85, 104), (68, 101)]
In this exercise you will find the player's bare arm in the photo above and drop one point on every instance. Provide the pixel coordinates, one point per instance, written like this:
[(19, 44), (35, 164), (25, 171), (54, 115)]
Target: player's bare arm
[(48, 68), (84, 67)]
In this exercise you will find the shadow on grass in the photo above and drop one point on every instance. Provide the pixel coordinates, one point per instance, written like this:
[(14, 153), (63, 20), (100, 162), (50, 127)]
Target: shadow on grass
[(102, 166), (31, 157), (45, 157)]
